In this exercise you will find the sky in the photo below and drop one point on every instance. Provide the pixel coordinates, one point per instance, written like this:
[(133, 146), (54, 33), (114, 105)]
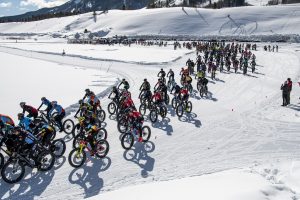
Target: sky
[(15, 7)]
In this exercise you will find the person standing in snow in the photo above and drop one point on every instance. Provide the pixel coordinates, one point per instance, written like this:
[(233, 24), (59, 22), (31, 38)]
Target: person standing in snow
[(285, 92)]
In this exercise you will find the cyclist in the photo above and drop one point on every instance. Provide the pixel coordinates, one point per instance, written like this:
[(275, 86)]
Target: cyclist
[(32, 112), (60, 114), (136, 120), (125, 83), (144, 87), (47, 103)]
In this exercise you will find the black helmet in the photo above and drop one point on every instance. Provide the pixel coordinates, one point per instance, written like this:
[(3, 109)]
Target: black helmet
[(161, 69), (22, 104), (123, 79), (145, 79), (43, 98), (87, 90)]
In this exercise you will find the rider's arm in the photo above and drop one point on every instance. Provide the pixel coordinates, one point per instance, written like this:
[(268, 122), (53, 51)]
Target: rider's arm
[(40, 106), (120, 85)]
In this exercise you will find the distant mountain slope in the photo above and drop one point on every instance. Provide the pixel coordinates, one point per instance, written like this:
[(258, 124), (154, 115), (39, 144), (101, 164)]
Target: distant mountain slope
[(242, 21), (82, 6)]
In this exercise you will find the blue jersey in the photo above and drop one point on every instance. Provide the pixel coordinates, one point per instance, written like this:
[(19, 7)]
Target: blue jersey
[(58, 108), (25, 123), (46, 102)]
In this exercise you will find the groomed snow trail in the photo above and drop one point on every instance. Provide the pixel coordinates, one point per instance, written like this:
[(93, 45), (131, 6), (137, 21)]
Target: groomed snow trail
[(240, 124)]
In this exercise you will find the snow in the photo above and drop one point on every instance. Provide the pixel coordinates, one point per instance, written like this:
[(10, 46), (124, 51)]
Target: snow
[(25, 79), (238, 143), (252, 20), (241, 123), (227, 185), (104, 52)]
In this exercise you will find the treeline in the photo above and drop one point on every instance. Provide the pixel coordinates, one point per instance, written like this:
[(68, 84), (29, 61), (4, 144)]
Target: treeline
[(197, 3), (38, 17)]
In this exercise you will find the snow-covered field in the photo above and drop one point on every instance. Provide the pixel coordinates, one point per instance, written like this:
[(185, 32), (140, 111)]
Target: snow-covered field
[(236, 184), (104, 52), (254, 20), (26, 79), (240, 125), (238, 143)]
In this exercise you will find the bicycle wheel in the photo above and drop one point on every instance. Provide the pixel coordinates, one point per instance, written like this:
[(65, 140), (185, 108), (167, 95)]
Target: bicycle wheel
[(101, 115), (77, 158), (179, 110), (174, 102), (146, 133), (58, 147), (142, 109), (198, 86), (201, 91), (127, 141), (45, 161), (1, 160), (111, 108), (153, 116), (163, 111), (13, 171), (102, 134), (102, 148), (122, 126), (68, 126), (189, 107), (167, 100)]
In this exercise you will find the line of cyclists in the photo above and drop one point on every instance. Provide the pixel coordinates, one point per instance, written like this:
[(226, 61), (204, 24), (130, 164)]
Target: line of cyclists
[(32, 141)]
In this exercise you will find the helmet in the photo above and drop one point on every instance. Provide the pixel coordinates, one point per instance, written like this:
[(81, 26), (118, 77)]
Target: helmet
[(92, 93), (43, 98), (20, 116), (289, 79), (123, 79), (22, 104), (170, 69), (87, 90), (161, 69), (145, 79)]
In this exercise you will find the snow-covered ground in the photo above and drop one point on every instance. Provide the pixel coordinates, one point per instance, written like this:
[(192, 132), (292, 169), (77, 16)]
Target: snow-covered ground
[(236, 184), (104, 52), (238, 143), (26, 79), (253, 20), (240, 125)]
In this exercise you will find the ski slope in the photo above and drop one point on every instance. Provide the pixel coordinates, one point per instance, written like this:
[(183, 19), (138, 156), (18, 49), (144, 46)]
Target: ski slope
[(240, 125), (245, 21)]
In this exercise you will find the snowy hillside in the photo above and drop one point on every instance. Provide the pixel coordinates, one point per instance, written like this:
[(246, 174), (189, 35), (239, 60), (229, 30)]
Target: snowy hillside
[(254, 20)]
